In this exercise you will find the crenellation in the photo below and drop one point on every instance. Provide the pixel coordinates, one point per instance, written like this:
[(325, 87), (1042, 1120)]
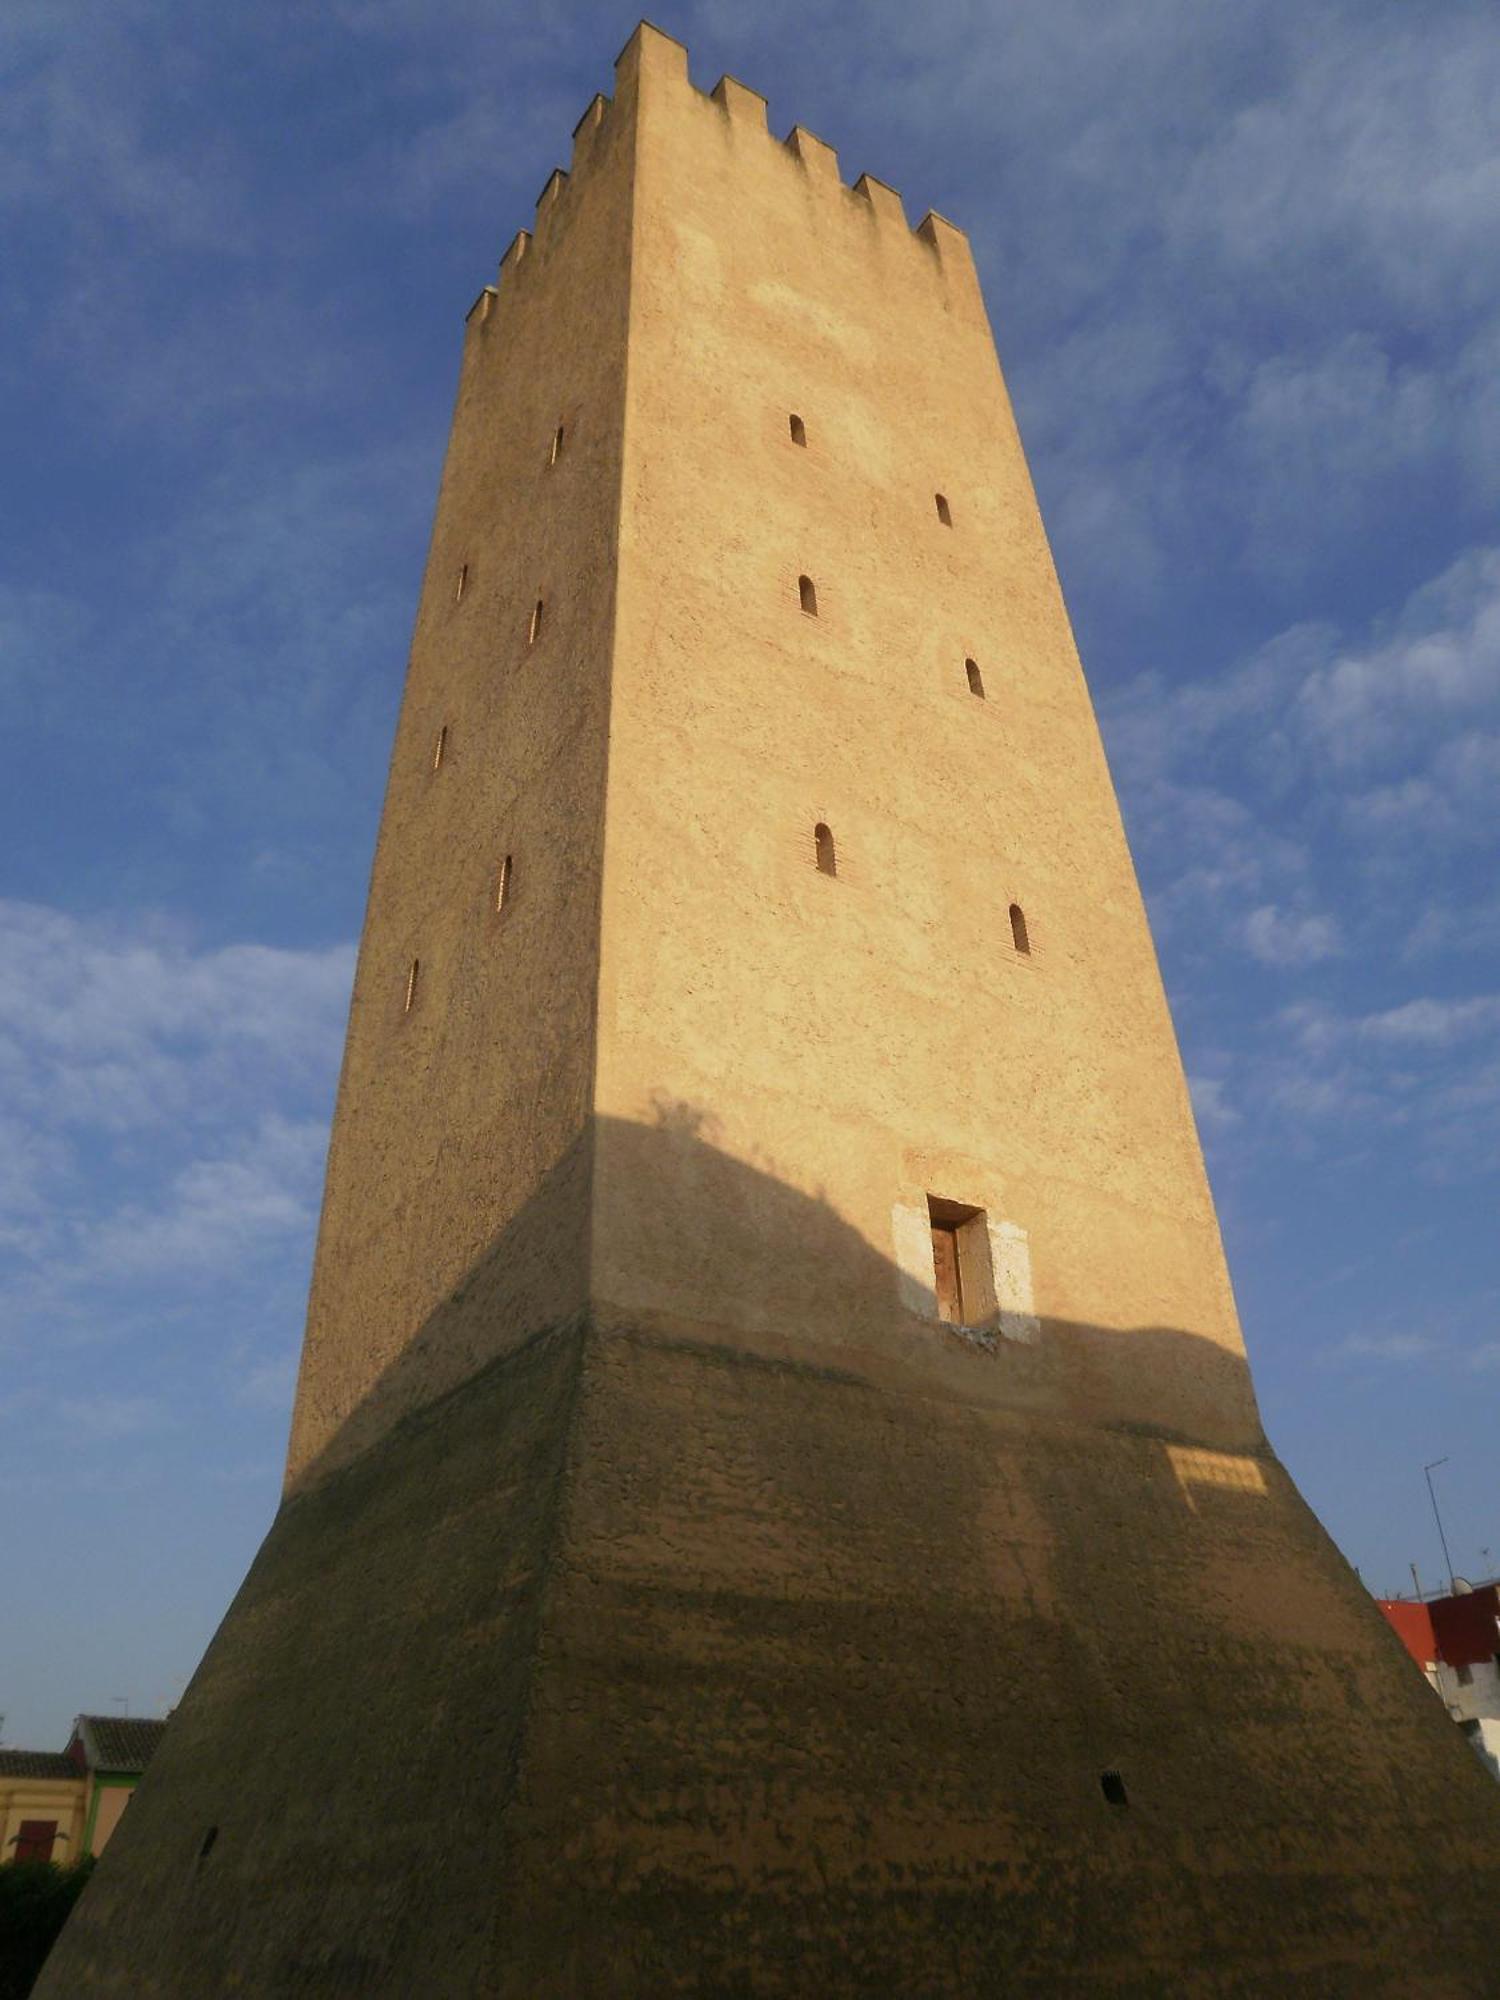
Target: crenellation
[(556, 181), (514, 257), (483, 305), (741, 105), (653, 53), (820, 159), (884, 201), (652, 60), (585, 131)]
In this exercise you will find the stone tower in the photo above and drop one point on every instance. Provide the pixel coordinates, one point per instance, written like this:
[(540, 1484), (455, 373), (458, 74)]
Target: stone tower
[(776, 1503)]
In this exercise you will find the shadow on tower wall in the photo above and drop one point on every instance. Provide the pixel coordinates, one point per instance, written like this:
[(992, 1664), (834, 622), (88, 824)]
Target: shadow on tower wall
[(661, 1656)]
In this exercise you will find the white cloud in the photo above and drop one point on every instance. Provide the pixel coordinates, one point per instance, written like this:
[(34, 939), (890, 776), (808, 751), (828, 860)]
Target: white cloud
[(1439, 665), (102, 1418), (1277, 937), (1388, 1346), (168, 1108), (217, 1211), (1210, 1104), (1437, 1024)]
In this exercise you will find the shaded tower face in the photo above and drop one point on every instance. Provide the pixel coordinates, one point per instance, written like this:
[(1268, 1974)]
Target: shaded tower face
[(775, 1503), (748, 799)]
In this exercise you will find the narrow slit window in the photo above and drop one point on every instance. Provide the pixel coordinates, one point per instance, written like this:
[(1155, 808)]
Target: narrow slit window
[(461, 583), (557, 444), (944, 511), (534, 630), (807, 591), (206, 1845), (1113, 1787), (976, 678), (502, 886), (823, 852), (797, 428), (411, 984), (1019, 937), (440, 748)]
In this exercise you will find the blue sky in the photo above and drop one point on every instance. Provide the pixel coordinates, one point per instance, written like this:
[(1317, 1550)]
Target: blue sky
[(1241, 266)]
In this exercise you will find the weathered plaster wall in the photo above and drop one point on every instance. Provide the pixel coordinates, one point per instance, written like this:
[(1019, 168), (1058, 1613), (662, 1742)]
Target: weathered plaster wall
[(450, 1115), (875, 1037)]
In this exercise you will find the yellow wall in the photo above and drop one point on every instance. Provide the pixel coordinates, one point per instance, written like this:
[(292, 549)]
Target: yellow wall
[(876, 1038), (670, 959), (450, 1117), (62, 1799)]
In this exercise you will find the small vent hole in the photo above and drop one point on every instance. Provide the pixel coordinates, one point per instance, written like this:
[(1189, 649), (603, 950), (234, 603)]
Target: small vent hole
[(808, 592), (534, 631), (461, 584), (411, 984), (206, 1846), (944, 512), (502, 886), (1113, 1787), (798, 429), (976, 678), (557, 444), (823, 852), (440, 748)]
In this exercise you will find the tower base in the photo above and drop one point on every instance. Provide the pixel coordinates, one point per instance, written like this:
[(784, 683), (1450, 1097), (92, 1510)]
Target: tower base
[(646, 1664)]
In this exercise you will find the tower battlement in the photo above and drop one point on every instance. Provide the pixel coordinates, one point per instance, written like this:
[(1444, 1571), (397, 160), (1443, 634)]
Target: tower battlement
[(652, 79)]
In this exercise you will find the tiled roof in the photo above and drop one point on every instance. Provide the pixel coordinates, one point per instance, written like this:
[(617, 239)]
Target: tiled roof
[(120, 1742), (37, 1764)]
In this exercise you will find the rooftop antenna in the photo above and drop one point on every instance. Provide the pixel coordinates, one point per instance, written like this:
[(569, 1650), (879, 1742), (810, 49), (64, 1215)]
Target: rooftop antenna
[(1427, 1472)]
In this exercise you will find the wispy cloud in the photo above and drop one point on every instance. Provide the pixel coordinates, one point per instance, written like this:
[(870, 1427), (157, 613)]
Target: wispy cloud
[(1278, 937), (1393, 1347), (170, 1106)]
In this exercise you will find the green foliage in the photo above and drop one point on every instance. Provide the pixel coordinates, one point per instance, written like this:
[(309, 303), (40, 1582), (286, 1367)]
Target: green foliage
[(35, 1898)]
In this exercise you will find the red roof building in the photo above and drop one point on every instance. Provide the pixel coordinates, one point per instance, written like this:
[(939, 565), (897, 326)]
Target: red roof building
[(1455, 1640)]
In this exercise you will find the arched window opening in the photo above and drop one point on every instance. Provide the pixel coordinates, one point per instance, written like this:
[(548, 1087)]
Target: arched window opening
[(798, 429), (1018, 929), (461, 584), (536, 624), (502, 886), (823, 850), (440, 748), (976, 678), (807, 591), (944, 512), (411, 984), (557, 444)]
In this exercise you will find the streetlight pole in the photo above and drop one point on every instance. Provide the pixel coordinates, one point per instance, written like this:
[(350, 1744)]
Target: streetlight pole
[(1427, 1472)]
